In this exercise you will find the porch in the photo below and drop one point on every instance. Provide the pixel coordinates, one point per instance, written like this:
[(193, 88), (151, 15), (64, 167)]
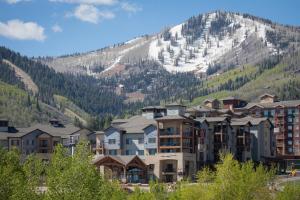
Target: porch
[(127, 169)]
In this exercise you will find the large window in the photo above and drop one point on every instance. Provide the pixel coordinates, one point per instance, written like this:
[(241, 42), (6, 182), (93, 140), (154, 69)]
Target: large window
[(128, 140), (112, 141), (152, 151), (141, 140), (112, 152), (130, 152), (43, 143), (152, 140), (141, 152)]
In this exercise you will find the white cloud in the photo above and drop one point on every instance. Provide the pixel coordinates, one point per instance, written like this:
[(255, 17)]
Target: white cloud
[(92, 2), (16, 29), (132, 8), (15, 1), (90, 13), (56, 28)]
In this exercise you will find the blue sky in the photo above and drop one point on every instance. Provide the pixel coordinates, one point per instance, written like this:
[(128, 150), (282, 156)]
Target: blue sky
[(58, 27)]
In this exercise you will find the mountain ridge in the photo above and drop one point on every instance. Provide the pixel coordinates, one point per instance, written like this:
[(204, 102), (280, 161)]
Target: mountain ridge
[(203, 41)]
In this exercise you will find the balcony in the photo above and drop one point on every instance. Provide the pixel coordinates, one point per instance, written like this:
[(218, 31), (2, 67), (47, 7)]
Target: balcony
[(280, 137), (166, 133), (169, 144), (279, 144), (168, 171), (187, 134)]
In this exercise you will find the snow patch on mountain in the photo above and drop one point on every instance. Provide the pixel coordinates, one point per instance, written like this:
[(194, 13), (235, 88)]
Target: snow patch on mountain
[(180, 56)]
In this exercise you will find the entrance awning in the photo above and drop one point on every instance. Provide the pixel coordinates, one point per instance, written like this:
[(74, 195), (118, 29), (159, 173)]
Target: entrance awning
[(121, 161)]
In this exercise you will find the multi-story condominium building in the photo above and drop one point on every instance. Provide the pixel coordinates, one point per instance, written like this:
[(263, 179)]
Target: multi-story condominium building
[(171, 143), (41, 139), (285, 117)]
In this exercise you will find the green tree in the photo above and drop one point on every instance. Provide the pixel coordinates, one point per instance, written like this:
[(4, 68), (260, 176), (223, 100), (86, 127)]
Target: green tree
[(76, 178)]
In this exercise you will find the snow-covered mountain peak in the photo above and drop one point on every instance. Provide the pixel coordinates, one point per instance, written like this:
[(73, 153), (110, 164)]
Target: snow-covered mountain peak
[(201, 41)]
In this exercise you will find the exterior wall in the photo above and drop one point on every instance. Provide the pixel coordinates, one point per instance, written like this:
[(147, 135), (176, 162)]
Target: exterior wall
[(148, 115), (179, 160), (204, 143), (4, 144), (17, 143), (112, 133), (175, 110), (150, 132), (135, 146), (256, 142), (3, 126), (267, 99), (29, 142)]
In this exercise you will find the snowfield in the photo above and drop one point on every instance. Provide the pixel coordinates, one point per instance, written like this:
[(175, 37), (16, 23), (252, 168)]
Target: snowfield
[(207, 48)]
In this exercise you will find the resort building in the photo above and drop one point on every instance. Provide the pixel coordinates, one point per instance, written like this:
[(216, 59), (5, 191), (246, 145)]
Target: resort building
[(41, 139)]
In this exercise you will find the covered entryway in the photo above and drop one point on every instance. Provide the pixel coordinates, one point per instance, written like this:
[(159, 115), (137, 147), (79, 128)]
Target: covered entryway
[(169, 170), (128, 169)]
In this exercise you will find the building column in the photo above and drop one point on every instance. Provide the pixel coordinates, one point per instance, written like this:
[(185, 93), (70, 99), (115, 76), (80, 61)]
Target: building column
[(124, 179), (181, 136)]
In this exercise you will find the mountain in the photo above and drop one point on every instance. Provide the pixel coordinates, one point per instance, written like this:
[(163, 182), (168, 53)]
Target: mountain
[(210, 55), (205, 43)]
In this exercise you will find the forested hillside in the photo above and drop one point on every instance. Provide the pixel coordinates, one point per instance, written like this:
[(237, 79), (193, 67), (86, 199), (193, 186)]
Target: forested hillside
[(21, 109)]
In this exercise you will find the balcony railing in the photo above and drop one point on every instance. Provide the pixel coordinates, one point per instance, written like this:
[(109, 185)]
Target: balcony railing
[(188, 134), (169, 170), (170, 144), (167, 133)]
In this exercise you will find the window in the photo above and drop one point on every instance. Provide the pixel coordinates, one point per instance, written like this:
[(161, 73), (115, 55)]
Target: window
[(290, 127), (290, 135), (128, 140), (15, 142), (112, 152), (290, 150), (130, 152), (32, 142), (272, 113), (152, 151), (266, 113), (141, 152), (141, 140), (290, 119), (43, 143), (151, 140), (112, 141), (27, 142), (290, 142)]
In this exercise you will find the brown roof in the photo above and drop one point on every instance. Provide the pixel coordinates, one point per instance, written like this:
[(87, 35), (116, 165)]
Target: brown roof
[(215, 119), (240, 122), (122, 159), (136, 124), (175, 104), (267, 94), (53, 131), (291, 103), (172, 117)]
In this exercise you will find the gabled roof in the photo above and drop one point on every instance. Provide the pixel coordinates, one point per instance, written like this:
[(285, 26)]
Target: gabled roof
[(240, 122), (213, 119), (121, 159), (256, 120), (153, 108), (267, 94), (174, 104), (173, 117), (136, 124), (290, 103), (210, 100)]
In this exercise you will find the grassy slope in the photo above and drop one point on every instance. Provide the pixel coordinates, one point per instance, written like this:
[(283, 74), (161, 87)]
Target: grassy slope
[(70, 109), (269, 81), (14, 106)]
